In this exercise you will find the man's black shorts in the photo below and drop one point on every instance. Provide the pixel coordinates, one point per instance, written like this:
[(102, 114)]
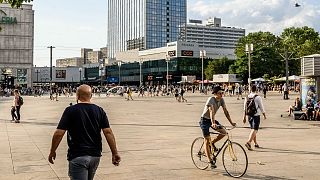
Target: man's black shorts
[(205, 125), (254, 122)]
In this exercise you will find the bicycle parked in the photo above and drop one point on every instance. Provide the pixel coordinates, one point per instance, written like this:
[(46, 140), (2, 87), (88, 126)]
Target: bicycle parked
[(234, 157)]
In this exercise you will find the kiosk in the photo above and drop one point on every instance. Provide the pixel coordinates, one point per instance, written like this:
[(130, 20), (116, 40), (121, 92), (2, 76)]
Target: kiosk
[(310, 78)]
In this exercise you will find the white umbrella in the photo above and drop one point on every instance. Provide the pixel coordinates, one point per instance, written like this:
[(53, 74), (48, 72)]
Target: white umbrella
[(259, 80)]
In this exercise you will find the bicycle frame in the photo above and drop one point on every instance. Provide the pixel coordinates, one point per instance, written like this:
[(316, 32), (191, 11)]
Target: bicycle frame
[(227, 141)]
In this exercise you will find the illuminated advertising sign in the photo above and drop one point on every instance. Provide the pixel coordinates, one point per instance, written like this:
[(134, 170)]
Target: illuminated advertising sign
[(186, 53), (172, 53), (61, 74), (4, 19)]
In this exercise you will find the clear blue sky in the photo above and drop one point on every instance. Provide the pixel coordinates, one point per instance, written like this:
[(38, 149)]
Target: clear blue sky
[(71, 25)]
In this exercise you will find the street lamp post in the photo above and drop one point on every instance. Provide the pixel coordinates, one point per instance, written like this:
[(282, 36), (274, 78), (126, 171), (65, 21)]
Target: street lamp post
[(286, 56), (101, 70), (119, 65), (249, 50), (37, 72), (167, 60), (202, 55), (140, 63), (80, 70)]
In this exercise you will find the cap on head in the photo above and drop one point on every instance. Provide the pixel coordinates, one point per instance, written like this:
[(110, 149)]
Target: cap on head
[(216, 89)]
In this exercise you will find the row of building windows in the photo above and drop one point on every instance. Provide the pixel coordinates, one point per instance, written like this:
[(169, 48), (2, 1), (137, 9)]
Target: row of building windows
[(215, 30)]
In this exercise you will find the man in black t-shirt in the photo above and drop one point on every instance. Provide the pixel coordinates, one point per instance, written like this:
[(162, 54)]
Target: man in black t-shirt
[(83, 123)]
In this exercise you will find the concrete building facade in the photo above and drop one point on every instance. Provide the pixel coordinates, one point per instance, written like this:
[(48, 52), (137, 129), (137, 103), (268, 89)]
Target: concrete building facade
[(59, 75), (16, 45), (69, 62), (93, 57), (212, 34)]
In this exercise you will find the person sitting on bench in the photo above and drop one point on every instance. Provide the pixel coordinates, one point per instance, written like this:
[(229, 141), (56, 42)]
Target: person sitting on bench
[(296, 107), (317, 111), (308, 115)]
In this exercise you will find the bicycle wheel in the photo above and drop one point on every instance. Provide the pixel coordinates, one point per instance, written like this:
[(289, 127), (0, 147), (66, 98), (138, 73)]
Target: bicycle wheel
[(198, 154), (235, 160)]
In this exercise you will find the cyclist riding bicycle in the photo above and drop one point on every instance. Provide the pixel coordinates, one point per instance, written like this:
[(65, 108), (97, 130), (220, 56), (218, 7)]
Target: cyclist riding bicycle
[(208, 120)]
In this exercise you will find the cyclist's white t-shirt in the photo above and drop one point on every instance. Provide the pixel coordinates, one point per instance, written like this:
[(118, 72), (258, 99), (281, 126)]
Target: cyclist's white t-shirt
[(216, 104)]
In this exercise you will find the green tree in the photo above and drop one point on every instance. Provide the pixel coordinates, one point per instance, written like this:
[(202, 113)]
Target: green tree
[(264, 58), (298, 42), (15, 3), (217, 66)]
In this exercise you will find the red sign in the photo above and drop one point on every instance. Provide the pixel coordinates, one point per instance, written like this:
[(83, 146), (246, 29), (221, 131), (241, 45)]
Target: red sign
[(186, 53), (169, 77), (150, 78)]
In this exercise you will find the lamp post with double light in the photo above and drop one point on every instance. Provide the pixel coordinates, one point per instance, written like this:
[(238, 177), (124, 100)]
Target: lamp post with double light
[(119, 65), (249, 50), (167, 60), (140, 63), (202, 55), (80, 70)]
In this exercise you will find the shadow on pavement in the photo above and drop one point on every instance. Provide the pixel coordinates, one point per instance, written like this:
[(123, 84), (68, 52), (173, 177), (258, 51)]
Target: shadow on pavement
[(286, 151), (264, 177)]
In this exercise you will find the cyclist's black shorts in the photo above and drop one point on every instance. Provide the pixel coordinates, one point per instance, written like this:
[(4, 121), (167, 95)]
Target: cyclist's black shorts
[(205, 125)]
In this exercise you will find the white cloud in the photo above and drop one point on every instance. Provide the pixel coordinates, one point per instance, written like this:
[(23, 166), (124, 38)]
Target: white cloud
[(258, 15)]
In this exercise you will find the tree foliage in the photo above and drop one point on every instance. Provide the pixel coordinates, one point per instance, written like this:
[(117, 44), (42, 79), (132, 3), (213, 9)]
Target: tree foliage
[(266, 59), (217, 66), (15, 3)]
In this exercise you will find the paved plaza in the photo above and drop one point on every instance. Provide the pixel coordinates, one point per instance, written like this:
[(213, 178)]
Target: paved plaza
[(154, 136)]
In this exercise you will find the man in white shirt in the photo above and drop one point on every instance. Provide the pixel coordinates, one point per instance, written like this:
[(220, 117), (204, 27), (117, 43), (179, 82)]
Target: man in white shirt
[(254, 120)]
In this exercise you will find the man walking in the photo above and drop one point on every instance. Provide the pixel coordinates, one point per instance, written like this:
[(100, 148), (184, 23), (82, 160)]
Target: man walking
[(253, 118), (84, 122)]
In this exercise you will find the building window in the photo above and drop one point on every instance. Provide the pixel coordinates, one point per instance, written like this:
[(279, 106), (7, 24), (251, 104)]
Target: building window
[(168, 30), (168, 24), (168, 19)]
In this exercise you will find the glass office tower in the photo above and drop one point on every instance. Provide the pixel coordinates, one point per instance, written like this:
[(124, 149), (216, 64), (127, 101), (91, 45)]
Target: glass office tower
[(143, 24)]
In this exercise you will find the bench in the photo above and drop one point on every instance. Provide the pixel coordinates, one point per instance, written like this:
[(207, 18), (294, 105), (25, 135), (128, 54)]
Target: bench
[(297, 114)]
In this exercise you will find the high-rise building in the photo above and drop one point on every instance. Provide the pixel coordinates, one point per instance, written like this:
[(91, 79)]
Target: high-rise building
[(143, 24), (84, 54), (212, 34)]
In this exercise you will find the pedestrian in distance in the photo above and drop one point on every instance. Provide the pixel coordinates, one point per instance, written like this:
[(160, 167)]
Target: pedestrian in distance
[(252, 108), (129, 94), (84, 122), (16, 106)]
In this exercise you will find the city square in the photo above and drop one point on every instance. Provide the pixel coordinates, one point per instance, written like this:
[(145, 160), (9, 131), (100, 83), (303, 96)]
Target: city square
[(152, 66), (154, 135)]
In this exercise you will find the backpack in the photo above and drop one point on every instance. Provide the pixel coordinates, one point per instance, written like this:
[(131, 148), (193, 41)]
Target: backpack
[(251, 108), (20, 101)]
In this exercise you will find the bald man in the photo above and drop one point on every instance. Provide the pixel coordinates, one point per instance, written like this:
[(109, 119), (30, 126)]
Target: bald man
[(83, 123)]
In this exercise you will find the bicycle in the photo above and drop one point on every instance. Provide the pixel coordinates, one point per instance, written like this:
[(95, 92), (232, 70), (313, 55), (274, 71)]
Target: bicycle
[(233, 155)]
